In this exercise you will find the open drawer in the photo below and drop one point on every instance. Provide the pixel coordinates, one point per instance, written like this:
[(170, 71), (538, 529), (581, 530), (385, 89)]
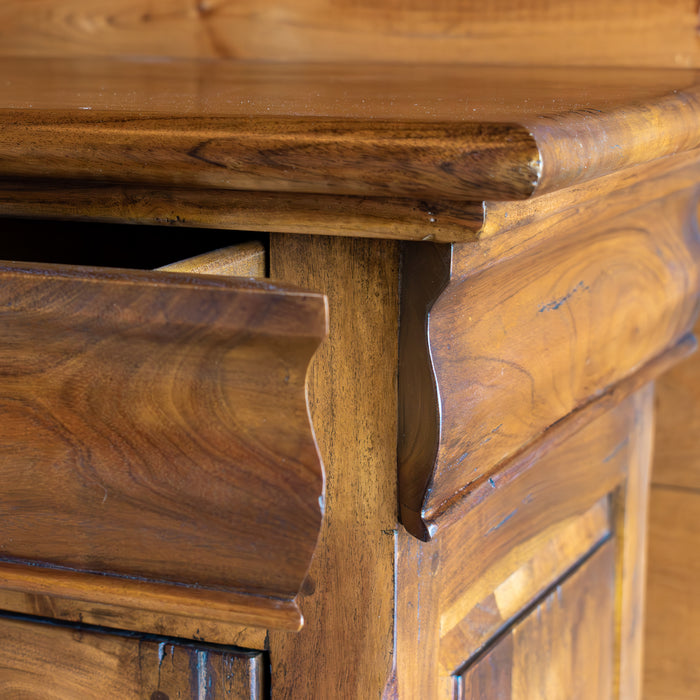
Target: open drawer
[(156, 451)]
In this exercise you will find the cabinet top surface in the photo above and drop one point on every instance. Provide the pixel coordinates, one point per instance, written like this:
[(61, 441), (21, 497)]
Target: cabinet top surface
[(464, 93), (457, 132)]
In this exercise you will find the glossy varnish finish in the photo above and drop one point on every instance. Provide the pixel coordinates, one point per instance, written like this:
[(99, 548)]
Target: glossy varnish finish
[(139, 411), (565, 279)]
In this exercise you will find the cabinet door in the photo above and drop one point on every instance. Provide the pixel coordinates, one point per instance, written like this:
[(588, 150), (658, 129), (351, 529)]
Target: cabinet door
[(560, 650), (45, 661)]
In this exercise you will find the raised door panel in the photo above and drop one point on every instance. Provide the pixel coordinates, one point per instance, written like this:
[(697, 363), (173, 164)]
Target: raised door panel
[(561, 650)]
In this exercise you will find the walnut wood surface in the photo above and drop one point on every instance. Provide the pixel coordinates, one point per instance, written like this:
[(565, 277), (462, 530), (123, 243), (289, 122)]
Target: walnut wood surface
[(50, 662), (676, 454), (462, 133), (364, 217), (240, 260), (517, 343), (471, 625), (345, 647), (460, 590), (562, 650), (584, 32), (155, 431), (631, 505)]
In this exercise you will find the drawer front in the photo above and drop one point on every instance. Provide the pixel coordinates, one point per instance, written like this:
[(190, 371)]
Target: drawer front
[(43, 660), (155, 446), (496, 352), (562, 649)]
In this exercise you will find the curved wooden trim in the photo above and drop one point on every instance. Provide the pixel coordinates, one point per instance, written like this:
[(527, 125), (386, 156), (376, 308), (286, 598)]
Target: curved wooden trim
[(425, 527), (458, 160), (425, 273)]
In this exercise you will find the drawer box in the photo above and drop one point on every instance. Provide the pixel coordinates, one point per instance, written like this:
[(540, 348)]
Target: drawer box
[(155, 446)]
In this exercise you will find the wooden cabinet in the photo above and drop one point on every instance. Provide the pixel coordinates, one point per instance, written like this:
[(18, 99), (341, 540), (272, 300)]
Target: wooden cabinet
[(414, 461)]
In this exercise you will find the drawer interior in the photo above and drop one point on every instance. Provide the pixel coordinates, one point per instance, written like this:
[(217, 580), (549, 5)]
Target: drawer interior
[(110, 244)]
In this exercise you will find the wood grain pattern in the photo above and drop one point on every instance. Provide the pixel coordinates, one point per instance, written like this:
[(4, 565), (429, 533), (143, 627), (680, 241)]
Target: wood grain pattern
[(562, 650), (362, 217), (541, 333), (133, 444), (207, 625), (520, 518), (673, 611), (633, 33), (345, 647), (364, 91), (512, 224), (453, 160), (50, 662), (241, 260), (457, 134), (468, 625), (671, 649), (536, 521)]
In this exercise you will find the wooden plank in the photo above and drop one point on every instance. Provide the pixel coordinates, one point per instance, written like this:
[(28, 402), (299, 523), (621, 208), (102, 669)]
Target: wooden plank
[(673, 606), (70, 662), (562, 649), (511, 543), (181, 620), (150, 421), (361, 217), (524, 340), (345, 647), (337, 156), (241, 260), (642, 33), (631, 505)]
